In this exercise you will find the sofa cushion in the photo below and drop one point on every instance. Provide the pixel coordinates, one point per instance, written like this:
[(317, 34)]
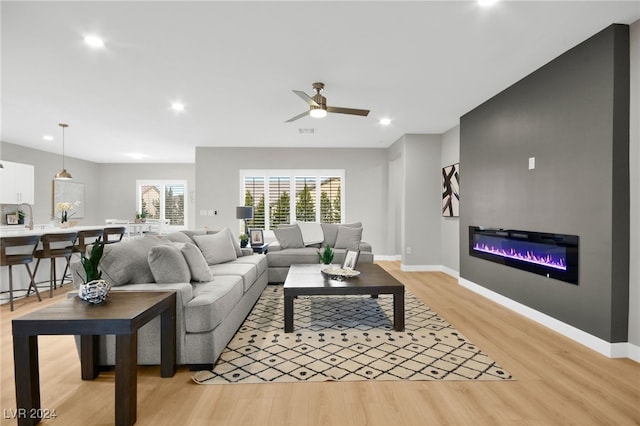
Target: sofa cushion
[(168, 265), (311, 233), (348, 238), (287, 257), (289, 236), (212, 302), (247, 271), (216, 248), (330, 231), (127, 262), (198, 267), (258, 260)]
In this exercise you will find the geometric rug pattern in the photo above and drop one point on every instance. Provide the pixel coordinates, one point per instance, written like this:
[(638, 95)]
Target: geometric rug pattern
[(347, 338)]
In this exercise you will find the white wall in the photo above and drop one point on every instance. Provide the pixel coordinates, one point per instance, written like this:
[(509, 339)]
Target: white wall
[(109, 189), (450, 226), (46, 165), (117, 187), (634, 177), (218, 183), (414, 162)]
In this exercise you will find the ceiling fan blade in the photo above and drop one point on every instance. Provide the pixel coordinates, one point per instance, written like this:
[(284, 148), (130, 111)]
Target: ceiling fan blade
[(306, 98), (297, 117), (352, 111)]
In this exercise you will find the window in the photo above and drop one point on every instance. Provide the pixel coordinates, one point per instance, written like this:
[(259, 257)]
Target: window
[(281, 196), (163, 200)]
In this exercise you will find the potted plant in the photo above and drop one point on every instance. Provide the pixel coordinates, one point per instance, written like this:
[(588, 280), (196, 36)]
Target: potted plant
[(21, 216), (244, 240), (94, 289), (326, 257)]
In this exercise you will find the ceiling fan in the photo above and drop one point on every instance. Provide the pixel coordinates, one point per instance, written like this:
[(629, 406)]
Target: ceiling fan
[(318, 105)]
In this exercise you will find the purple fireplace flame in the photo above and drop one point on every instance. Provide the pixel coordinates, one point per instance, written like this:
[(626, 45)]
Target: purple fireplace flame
[(529, 254)]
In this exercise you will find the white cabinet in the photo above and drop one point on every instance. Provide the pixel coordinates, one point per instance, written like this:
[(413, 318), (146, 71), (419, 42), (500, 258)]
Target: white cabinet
[(16, 183)]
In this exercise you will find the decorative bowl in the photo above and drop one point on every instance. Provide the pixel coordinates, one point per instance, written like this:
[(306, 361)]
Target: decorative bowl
[(95, 291), (340, 273)]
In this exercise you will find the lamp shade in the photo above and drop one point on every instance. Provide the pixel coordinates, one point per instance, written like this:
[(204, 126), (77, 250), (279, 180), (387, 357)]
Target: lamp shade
[(244, 212)]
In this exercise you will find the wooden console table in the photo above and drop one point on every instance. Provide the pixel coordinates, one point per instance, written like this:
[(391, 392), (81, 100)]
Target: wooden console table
[(122, 314)]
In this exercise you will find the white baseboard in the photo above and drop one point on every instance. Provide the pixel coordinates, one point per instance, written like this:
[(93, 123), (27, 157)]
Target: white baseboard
[(390, 257), (429, 268), (633, 352), (419, 268), (611, 350)]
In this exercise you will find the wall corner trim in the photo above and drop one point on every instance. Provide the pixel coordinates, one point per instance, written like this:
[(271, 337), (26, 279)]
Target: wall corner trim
[(610, 350)]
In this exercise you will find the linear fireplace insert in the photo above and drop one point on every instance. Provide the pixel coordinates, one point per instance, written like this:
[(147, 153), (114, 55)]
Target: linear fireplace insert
[(551, 255)]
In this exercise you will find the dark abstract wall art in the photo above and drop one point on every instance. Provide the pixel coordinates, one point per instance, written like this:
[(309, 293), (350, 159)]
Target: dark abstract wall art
[(451, 190)]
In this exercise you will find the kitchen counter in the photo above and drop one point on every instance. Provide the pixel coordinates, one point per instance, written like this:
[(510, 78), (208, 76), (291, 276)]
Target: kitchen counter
[(22, 230)]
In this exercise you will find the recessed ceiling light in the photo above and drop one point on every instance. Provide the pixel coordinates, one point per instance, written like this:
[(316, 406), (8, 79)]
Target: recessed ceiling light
[(385, 121), (177, 106), (137, 155), (487, 2), (47, 137), (94, 41)]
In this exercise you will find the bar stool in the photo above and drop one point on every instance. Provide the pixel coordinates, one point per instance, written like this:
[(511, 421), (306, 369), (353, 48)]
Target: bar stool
[(30, 241), (64, 248), (83, 236), (114, 230), (81, 243)]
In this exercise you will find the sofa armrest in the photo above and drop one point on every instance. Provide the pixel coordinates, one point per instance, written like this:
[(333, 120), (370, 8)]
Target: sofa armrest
[(366, 247), (275, 246)]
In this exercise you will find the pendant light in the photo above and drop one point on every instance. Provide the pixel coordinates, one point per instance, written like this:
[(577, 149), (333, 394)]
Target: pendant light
[(63, 174)]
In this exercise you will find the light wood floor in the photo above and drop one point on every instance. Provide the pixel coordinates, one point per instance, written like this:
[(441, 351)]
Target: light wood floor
[(557, 382)]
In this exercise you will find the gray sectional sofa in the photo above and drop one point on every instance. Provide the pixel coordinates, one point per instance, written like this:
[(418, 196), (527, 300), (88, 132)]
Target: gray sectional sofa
[(299, 243), (217, 284)]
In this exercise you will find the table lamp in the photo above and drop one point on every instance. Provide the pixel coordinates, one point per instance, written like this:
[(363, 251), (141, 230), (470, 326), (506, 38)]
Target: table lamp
[(244, 213)]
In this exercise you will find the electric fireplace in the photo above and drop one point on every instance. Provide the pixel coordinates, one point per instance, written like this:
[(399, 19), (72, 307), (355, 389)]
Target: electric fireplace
[(551, 255)]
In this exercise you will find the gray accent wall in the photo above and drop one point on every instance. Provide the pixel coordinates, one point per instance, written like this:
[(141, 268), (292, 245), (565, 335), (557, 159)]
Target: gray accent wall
[(218, 183), (572, 115)]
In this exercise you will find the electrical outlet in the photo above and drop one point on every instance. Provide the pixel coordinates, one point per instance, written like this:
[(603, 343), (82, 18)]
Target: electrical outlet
[(408, 250)]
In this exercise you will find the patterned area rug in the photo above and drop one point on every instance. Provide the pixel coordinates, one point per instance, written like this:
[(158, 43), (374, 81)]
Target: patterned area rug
[(347, 338)]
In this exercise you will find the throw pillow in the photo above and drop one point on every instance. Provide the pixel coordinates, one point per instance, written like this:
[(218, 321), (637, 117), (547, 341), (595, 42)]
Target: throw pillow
[(330, 231), (216, 248), (311, 233), (197, 263), (168, 264), (127, 262), (289, 236), (235, 241), (192, 232), (178, 237), (348, 238)]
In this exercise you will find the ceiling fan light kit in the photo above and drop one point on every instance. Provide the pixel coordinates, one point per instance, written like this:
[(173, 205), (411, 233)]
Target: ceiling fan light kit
[(318, 105)]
